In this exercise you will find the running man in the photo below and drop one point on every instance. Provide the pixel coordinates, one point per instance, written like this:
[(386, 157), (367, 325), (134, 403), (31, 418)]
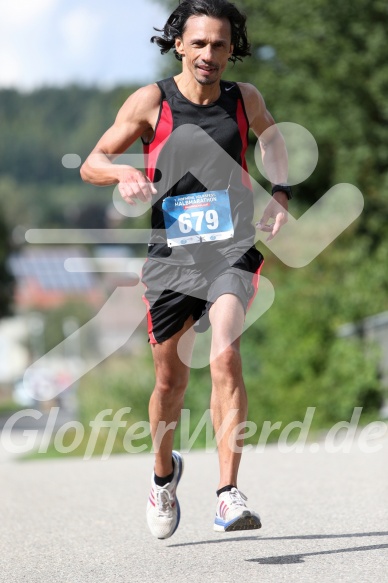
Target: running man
[(202, 268)]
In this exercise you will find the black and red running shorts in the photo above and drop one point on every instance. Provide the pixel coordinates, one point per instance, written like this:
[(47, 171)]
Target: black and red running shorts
[(175, 292)]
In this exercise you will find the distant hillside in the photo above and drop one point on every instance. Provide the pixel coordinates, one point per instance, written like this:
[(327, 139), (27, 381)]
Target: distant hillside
[(38, 128)]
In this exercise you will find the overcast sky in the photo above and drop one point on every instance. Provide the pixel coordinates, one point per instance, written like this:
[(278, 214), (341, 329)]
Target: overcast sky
[(55, 42)]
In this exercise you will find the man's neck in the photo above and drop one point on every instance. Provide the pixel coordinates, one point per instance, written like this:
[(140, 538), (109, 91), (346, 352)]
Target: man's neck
[(195, 92)]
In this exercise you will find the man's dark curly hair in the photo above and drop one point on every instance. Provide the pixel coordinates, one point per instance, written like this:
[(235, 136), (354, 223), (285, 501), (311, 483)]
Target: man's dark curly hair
[(176, 24)]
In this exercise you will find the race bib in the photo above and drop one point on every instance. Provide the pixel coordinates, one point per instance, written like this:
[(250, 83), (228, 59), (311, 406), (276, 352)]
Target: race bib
[(193, 218)]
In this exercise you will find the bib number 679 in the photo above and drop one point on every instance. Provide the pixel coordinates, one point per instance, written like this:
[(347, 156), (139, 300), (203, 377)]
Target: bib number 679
[(194, 220)]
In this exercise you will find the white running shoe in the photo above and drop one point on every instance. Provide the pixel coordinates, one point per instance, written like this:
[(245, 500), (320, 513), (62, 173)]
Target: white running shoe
[(233, 514), (163, 512)]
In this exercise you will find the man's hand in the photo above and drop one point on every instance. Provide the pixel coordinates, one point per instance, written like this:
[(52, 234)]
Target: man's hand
[(133, 185), (276, 209)]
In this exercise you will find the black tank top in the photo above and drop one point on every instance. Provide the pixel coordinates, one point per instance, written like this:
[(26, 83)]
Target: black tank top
[(196, 148)]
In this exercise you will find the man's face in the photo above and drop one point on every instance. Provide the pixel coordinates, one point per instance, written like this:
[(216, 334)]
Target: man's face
[(206, 47)]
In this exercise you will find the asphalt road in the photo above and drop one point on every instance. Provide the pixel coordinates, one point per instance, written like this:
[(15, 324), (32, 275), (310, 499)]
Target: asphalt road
[(325, 519)]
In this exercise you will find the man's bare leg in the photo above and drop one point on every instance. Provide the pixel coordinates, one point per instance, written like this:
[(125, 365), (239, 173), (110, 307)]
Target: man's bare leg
[(229, 395), (166, 401), (228, 390)]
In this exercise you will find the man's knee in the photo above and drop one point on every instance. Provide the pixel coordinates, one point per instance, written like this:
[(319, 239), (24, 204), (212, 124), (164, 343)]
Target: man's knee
[(227, 363), (170, 386)]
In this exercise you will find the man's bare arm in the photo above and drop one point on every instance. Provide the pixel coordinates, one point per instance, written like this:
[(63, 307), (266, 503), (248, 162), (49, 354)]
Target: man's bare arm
[(137, 118), (274, 156)]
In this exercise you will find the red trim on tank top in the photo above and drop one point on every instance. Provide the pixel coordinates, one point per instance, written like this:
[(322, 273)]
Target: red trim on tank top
[(163, 131), (243, 127)]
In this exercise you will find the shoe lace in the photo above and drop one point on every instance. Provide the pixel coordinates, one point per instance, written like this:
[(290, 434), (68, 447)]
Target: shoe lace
[(237, 498), (164, 500)]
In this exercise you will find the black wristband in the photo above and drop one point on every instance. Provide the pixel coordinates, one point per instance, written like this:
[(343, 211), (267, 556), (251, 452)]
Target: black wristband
[(282, 188)]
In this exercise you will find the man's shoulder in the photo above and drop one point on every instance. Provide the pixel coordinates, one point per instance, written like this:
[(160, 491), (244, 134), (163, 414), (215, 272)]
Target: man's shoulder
[(248, 90), (143, 99), (253, 100), (149, 92)]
